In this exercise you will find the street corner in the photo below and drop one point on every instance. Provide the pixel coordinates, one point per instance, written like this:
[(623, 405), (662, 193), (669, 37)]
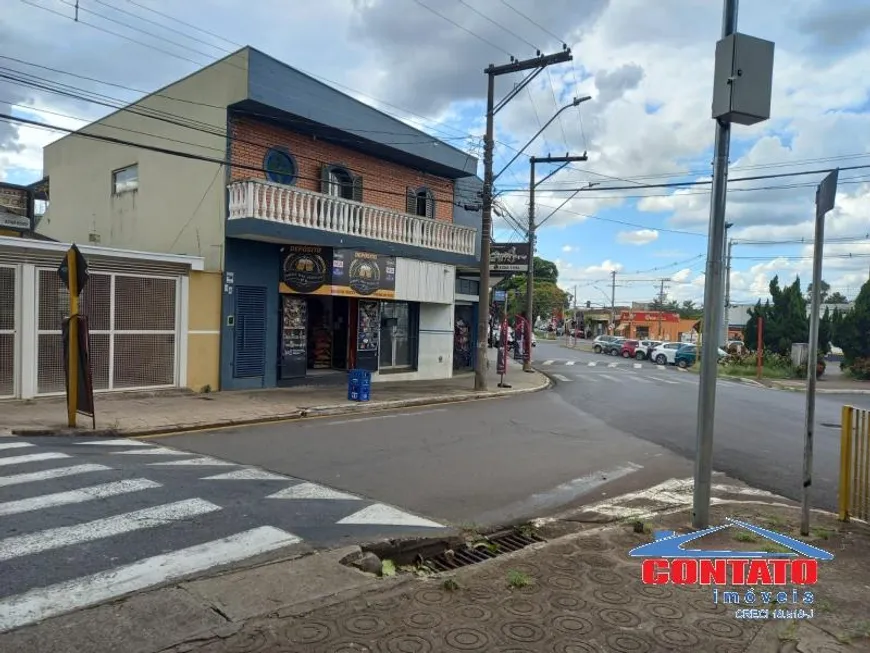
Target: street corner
[(62, 431)]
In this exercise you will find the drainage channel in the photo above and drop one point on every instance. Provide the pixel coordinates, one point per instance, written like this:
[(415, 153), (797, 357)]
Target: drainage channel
[(485, 549)]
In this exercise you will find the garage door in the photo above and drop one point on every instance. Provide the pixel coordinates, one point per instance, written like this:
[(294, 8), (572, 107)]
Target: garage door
[(8, 339)]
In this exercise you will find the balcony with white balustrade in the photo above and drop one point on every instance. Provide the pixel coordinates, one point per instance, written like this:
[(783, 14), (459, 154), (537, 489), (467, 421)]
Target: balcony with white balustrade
[(262, 210)]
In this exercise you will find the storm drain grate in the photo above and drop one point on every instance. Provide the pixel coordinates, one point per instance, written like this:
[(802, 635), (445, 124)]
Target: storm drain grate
[(491, 547)]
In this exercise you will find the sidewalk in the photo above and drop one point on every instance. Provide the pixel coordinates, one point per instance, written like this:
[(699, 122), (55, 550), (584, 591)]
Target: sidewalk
[(578, 593), (824, 385), (130, 414)]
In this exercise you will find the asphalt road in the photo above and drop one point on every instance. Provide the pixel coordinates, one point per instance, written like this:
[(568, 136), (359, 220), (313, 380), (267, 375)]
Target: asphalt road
[(759, 432)]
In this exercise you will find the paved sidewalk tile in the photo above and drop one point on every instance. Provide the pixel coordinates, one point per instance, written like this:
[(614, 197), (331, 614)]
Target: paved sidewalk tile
[(582, 594)]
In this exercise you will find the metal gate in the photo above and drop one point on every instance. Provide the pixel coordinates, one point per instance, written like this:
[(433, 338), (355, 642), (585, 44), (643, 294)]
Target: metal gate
[(8, 330), (133, 322)]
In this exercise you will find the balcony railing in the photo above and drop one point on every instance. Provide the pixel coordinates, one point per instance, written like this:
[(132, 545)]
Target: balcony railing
[(304, 208)]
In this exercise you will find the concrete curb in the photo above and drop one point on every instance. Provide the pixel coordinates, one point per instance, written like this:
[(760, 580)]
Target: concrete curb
[(300, 413)]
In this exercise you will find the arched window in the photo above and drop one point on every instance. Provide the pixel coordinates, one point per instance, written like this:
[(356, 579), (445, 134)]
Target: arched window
[(338, 181), (280, 166), (420, 201)]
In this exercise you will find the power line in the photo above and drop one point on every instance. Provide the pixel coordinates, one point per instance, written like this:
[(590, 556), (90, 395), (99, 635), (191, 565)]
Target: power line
[(464, 29), (162, 150)]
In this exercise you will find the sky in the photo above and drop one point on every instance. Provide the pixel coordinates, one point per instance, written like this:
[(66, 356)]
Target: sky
[(648, 68)]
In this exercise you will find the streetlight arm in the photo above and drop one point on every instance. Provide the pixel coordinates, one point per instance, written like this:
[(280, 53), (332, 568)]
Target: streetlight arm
[(577, 101)]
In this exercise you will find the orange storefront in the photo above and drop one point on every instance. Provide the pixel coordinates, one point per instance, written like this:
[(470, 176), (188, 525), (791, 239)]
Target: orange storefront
[(656, 325)]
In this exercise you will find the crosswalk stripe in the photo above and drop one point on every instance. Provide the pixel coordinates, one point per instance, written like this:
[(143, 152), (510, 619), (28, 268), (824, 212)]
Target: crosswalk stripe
[(570, 362), (45, 602), (312, 491), (115, 443), (662, 367), (608, 377), (668, 381), (637, 366), (55, 538), (612, 364), (76, 496), (32, 458), (548, 362), (379, 514), (152, 451), (639, 379), (205, 461), (591, 364), (51, 474), (246, 475), (14, 445), (562, 377)]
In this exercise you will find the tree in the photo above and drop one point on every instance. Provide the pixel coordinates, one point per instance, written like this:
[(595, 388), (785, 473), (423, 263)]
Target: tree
[(688, 311), (785, 319), (836, 298), (853, 333), (825, 289), (825, 333), (548, 298)]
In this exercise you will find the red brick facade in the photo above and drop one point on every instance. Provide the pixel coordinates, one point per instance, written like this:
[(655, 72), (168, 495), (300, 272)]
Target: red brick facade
[(384, 183)]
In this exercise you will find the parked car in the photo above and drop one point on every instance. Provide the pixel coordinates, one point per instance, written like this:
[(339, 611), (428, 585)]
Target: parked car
[(688, 354), (644, 349), (665, 352), (600, 341), (629, 347), (614, 347)]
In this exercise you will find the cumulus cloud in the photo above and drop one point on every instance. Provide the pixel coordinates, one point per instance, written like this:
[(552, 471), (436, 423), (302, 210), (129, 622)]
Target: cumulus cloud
[(639, 237)]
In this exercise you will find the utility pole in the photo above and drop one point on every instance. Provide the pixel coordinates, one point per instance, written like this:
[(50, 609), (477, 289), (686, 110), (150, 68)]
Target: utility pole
[(536, 65), (661, 305), (613, 299), (726, 321), (530, 273), (742, 87)]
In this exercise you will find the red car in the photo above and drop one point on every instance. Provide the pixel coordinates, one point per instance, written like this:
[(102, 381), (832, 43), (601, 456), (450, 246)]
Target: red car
[(629, 348)]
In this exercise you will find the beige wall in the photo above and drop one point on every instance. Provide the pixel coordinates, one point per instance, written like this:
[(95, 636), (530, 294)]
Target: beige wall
[(179, 206), (203, 336)]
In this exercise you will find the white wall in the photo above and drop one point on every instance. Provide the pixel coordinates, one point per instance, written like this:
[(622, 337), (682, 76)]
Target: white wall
[(435, 358), (422, 281), (179, 205)]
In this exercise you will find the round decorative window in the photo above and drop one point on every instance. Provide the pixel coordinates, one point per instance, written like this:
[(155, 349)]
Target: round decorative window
[(279, 166)]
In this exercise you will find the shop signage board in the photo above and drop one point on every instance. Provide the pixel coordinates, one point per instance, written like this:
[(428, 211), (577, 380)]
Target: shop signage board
[(509, 257), (648, 316), (13, 208), (314, 270)]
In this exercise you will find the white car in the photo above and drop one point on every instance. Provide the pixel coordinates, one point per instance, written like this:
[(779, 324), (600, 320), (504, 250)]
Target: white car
[(664, 353)]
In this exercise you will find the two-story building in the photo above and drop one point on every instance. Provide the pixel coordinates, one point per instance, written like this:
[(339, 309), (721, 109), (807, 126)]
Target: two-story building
[(328, 229)]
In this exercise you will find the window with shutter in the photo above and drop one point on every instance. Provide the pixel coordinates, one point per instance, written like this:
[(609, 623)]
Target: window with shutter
[(421, 202), (249, 344), (411, 201), (337, 181), (357, 190)]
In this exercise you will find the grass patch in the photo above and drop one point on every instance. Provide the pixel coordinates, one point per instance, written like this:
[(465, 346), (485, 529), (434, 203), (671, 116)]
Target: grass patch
[(517, 579), (745, 536), (750, 371)]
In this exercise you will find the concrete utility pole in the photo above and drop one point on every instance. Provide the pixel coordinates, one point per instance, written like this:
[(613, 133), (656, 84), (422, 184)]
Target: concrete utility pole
[(661, 306), (726, 322), (533, 184), (536, 65), (742, 88), (613, 299)]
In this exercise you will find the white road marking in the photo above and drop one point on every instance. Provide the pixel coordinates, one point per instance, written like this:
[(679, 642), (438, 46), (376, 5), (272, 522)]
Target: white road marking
[(668, 381), (76, 496), (152, 451), (115, 443), (592, 364), (637, 366), (45, 602), (51, 474), (388, 416), (562, 377), (312, 491), (661, 367), (612, 364), (378, 514), (548, 362), (570, 362), (608, 377), (32, 458), (639, 379), (205, 461), (55, 538), (14, 445), (246, 475)]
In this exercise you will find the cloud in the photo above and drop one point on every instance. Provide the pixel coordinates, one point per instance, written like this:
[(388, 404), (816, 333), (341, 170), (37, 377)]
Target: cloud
[(568, 248), (639, 237)]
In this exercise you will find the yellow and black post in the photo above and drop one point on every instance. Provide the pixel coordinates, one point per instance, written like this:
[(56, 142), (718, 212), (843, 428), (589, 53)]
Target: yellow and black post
[(72, 397)]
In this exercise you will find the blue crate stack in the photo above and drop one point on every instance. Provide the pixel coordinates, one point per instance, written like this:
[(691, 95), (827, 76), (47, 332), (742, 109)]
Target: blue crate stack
[(359, 385)]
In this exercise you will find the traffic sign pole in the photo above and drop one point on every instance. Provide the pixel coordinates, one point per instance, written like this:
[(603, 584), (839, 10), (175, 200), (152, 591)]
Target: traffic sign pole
[(73, 348)]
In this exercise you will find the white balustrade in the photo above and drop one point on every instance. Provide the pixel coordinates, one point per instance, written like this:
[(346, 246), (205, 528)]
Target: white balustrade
[(304, 208)]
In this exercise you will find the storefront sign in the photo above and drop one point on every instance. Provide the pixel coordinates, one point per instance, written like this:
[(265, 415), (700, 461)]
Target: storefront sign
[(306, 270), (648, 316), (13, 208), (363, 274), (509, 257)]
